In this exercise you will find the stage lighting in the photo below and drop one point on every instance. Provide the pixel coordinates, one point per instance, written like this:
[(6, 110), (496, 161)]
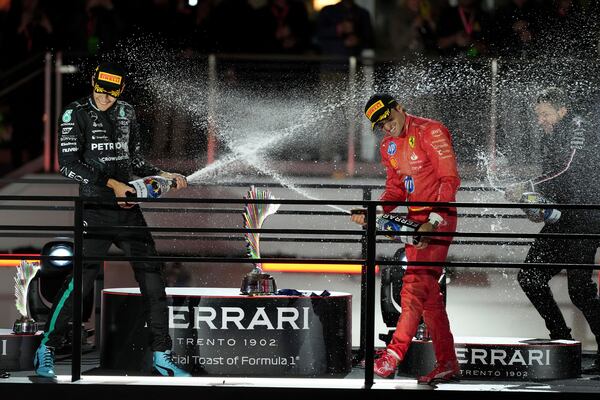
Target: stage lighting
[(58, 248), (319, 4)]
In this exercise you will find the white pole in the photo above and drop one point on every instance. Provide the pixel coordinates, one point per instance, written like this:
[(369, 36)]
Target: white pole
[(212, 86), (350, 165), (493, 114)]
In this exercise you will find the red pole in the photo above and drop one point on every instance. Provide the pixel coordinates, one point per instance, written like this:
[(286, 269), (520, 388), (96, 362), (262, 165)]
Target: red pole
[(57, 104), (47, 111), (212, 145)]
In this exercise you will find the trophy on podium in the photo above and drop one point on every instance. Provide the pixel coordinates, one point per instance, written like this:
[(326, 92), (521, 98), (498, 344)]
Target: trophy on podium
[(256, 282), (25, 273)]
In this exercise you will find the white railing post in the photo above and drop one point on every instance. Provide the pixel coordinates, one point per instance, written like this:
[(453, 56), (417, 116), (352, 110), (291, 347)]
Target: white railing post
[(212, 87), (351, 150), (493, 114)]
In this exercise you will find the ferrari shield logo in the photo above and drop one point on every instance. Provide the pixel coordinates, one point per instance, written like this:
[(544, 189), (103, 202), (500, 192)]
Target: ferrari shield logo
[(411, 141)]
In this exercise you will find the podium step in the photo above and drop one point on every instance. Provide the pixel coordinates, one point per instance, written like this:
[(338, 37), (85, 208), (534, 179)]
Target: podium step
[(16, 351), (502, 358)]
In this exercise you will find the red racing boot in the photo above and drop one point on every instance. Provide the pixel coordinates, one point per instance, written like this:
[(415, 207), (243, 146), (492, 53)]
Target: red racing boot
[(447, 372), (386, 365)]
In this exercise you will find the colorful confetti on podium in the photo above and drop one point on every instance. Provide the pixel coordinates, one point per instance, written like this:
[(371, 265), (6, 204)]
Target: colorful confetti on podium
[(254, 217)]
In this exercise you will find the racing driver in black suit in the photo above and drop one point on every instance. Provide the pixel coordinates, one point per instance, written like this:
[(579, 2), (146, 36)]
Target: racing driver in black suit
[(99, 147)]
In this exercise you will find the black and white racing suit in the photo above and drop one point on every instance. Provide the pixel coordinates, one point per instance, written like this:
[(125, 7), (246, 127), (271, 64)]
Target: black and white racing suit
[(568, 156), (93, 147)]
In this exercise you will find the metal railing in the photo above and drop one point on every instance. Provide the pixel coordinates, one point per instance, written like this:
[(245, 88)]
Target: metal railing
[(167, 233), (368, 259)]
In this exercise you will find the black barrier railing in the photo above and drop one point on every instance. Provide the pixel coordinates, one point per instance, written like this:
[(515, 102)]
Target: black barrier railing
[(367, 191), (368, 259)]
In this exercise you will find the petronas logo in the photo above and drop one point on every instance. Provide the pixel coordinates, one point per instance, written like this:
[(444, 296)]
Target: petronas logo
[(122, 112)]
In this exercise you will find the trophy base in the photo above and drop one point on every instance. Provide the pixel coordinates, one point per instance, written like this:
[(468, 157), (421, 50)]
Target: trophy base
[(25, 326), (257, 284)]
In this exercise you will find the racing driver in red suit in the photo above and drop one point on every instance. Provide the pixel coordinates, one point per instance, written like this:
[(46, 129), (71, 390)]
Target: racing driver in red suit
[(421, 167)]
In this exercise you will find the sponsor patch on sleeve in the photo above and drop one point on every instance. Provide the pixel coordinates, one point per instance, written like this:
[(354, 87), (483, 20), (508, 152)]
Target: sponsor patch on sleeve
[(67, 116), (391, 150)]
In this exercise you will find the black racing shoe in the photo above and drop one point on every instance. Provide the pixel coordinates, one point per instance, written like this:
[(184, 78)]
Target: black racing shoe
[(561, 335), (593, 369)]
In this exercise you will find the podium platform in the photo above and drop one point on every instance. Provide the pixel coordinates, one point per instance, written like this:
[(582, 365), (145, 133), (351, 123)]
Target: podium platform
[(502, 358), (219, 331), (17, 351)]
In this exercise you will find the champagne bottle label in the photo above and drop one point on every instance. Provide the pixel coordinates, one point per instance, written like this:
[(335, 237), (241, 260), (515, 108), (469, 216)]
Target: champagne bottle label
[(151, 187), (551, 215), (392, 222)]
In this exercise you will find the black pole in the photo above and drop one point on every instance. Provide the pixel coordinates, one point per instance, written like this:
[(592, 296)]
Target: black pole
[(363, 290), (370, 295), (77, 287)]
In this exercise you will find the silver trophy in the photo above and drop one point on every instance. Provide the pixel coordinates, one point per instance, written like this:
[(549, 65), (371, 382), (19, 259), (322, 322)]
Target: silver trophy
[(25, 273), (256, 282)]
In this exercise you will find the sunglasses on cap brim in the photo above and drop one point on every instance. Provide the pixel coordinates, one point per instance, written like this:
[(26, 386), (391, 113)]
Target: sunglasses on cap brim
[(113, 93), (381, 120)]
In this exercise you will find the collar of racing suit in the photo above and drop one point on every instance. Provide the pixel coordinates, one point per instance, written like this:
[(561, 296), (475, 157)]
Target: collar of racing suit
[(407, 120)]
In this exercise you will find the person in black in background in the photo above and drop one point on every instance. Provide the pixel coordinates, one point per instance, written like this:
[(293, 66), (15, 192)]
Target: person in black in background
[(104, 27), (462, 30), (514, 32), (566, 31), (99, 147), (569, 148), (35, 33), (344, 29), (412, 27), (285, 27)]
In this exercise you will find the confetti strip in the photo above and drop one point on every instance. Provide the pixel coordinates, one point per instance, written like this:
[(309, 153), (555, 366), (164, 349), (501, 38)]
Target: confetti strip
[(25, 273), (254, 216)]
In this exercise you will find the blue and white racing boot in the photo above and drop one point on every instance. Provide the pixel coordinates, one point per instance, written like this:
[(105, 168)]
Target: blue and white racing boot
[(162, 361), (43, 362)]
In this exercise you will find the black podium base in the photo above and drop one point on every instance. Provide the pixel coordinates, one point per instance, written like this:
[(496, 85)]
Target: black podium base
[(502, 358), (17, 351), (218, 331)]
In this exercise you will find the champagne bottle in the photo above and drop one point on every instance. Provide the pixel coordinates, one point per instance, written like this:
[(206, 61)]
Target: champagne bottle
[(151, 187), (546, 215)]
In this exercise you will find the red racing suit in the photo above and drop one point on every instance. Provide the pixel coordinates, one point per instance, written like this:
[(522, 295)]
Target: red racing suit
[(421, 166)]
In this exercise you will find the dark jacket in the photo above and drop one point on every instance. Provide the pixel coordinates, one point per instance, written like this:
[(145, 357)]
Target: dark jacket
[(95, 146), (569, 161)]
